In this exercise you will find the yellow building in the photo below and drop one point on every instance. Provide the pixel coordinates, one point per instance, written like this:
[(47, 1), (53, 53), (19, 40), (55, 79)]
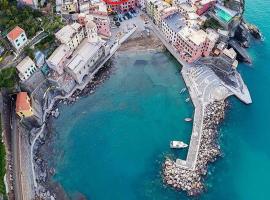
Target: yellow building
[(23, 105), (70, 7), (168, 1)]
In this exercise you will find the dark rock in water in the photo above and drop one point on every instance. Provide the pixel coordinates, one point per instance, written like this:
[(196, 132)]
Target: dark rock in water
[(242, 36), (141, 62), (242, 54), (255, 32)]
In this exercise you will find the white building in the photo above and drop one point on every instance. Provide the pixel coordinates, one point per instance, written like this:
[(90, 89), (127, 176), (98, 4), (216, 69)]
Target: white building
[(26, 68), (91, 32), (158, 9), (185, 9), (84, 59), (17, 37), (58, 58), (71, 35), (142, 4)]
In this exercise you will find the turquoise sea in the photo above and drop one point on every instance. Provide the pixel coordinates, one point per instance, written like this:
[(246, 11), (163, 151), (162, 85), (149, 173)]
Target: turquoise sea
[(110, 145)]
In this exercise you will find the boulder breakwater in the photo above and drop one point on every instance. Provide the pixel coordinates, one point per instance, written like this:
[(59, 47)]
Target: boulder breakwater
[(192, 181)]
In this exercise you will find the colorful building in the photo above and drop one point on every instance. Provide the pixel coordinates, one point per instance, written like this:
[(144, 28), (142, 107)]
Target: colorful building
[(121, 5), (171, 25), (101, 20), (31, 3), (70, 35), (26, 68), (193, 44), (58, 58), (23, 105), (17, 37), (70, 6), (204, 5), (87, 55)]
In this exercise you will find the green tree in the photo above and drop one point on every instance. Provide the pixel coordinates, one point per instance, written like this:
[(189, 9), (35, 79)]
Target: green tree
[(4, 4), (8, 78)]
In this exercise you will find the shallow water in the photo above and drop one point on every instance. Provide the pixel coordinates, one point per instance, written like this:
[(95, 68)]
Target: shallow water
[(110, 144)]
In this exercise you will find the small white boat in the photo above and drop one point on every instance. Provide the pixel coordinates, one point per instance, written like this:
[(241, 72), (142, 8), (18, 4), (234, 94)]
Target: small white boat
[(187, 99), (177, 145), (188, 119), (183, 90)]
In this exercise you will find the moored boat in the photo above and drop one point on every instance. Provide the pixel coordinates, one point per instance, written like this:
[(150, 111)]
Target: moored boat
[(183, 90), (187, 99), (188, 119), (177, 145)]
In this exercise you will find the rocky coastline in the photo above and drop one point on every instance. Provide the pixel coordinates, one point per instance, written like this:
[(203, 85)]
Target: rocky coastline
[(47, 188), (43, 150), (193, 181)]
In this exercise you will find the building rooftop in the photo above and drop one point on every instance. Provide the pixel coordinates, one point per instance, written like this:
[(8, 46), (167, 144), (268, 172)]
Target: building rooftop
[(230, 53), (196, 36), (22, 102), (58, 54), (66, 33), (188, 8), (24, 64), (175, 21), (82, 54), (15, 33), (212, 35)]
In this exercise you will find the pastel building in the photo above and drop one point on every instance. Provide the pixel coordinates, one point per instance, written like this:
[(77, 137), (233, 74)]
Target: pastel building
[(121, 5), (17, 37), (58, 58), (102, 22), (87, 55), (158, 9), (84, 59), (23, 105), (31, 3), (203, 5), (185, 9), (70, 35), (171, 25), (98, 7), (142, 4), (151, 7), (193, 44), (69, 6), (26, 68), (84, 7)]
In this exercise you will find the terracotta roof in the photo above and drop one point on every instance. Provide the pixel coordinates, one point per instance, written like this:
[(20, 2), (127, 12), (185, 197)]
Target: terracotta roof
[(15, 33), (21, 102)]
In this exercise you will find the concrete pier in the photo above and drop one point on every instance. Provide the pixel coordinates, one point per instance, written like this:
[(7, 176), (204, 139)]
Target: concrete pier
[(204, 87)]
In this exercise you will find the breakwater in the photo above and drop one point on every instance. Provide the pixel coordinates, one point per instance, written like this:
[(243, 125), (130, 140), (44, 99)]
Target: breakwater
[(188, 180)]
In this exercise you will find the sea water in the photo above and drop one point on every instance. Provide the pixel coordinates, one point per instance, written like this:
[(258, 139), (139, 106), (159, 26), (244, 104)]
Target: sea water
[(111, 144)]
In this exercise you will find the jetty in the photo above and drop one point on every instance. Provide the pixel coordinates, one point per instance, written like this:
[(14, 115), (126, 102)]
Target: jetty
[(204, 87)]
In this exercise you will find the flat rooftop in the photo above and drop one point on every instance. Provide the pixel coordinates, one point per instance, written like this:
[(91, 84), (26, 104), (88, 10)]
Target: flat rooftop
[(197, 37), (83, 53), (175, 21)]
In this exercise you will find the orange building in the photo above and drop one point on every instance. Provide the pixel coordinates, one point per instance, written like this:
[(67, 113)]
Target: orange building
[(23, 105)]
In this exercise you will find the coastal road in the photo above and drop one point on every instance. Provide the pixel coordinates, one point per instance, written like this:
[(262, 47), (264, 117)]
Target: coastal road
[(15, 145)]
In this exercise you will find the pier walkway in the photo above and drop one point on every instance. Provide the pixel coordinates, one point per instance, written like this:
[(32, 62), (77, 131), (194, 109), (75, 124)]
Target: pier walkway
[(204, 87)]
